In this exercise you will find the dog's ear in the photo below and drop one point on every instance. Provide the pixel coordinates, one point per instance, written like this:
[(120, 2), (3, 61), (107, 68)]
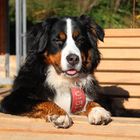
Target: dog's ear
[(92, 27), (94, 32), (39, 34)]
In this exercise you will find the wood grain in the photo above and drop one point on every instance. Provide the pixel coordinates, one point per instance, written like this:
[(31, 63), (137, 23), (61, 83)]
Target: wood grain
[(122, 32), (122, 90), (127, 103), (118, 77), (124, 42), (122, 53), (26, 128), (119, 65)]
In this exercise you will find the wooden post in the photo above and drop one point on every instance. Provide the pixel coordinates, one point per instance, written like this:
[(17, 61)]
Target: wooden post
[(3, 26)]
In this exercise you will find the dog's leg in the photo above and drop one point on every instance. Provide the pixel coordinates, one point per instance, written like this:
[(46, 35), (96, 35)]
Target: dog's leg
[(52, 113), (97, 114)]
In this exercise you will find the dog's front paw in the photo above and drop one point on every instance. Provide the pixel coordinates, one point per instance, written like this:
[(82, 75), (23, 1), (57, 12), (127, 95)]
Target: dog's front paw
[(60, 121), (98, 115)]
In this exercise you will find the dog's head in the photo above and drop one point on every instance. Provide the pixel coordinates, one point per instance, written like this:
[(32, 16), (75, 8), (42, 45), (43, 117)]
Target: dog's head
[(69, 44)]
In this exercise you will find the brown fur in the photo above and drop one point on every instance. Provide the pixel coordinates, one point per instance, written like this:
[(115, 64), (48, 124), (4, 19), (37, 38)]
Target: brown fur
[(75, 34), (53, 59), (89, 107), (62, 36), (44, 109)]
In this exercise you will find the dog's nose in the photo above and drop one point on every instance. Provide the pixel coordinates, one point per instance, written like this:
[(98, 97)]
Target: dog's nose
[(72, 59)]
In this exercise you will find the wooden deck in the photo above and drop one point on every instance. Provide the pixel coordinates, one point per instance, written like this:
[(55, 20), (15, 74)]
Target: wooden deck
[(22, 128)]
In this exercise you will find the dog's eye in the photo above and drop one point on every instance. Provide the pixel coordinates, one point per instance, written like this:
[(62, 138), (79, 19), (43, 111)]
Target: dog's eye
[(58, 42), (80, 40)]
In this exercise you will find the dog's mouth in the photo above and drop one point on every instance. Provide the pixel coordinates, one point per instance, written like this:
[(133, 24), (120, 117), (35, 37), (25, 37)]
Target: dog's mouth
[(71, 72)]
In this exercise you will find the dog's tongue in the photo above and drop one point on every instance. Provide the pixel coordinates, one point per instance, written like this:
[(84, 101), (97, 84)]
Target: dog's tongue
[(71, 72)]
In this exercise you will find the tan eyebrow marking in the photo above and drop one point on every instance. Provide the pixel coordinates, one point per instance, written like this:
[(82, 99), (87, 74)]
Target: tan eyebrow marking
[(75, 34), (62, 36)]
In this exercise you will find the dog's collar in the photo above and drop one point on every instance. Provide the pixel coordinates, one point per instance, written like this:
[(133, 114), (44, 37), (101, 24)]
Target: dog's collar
[(78, 99)]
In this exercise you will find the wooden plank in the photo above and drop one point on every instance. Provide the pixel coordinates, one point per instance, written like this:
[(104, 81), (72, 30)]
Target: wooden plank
[(127, 103), (39, 136), (5, 90), (113, 90), (120, 42), (122, 32), (119, 65), (122, 90), (12, 66), (118, 77), (27, 128), (6, 81), (3, 26), (120, 53)]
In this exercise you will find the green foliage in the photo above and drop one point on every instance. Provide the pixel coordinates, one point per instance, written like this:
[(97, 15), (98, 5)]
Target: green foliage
[(12, 10), (108, 18), (103, 11)]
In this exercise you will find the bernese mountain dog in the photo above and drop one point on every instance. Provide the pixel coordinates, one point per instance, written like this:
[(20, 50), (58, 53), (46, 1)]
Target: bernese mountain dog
[(57, 78)]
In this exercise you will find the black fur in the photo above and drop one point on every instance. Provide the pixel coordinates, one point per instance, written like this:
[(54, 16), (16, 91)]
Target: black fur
[(28, 88)]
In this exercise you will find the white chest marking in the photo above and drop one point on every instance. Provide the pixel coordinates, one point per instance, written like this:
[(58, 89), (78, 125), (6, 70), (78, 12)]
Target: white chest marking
[(63, 99), (62, 86)]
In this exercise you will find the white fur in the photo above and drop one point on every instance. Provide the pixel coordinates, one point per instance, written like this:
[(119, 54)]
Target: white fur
[(98, 115), (62, 86), (70, 47), (62, 121)]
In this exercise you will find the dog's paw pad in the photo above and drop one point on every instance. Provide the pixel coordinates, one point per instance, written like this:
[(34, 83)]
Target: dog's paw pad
[(60, 121), (99, 115)]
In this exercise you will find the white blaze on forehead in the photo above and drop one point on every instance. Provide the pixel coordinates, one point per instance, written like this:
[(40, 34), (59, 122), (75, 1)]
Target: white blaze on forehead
[(70, 47), (69, 30)]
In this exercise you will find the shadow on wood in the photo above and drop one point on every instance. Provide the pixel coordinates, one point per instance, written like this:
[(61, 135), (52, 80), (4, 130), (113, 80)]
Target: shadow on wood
[(117, 101)]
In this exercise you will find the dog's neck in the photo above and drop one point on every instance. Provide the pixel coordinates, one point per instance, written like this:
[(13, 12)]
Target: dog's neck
[(56, 81), (64, 85)]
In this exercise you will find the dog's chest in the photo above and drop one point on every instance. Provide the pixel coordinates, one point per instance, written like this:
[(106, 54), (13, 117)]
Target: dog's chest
[(63, 86), (63, 98)]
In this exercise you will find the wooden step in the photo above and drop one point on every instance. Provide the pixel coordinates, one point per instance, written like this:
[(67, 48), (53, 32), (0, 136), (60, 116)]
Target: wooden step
[(124, 54), (26, 128), (134, 32), (118, 78), (123, 42), (119, 65), (118, 90), (127, 103)]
